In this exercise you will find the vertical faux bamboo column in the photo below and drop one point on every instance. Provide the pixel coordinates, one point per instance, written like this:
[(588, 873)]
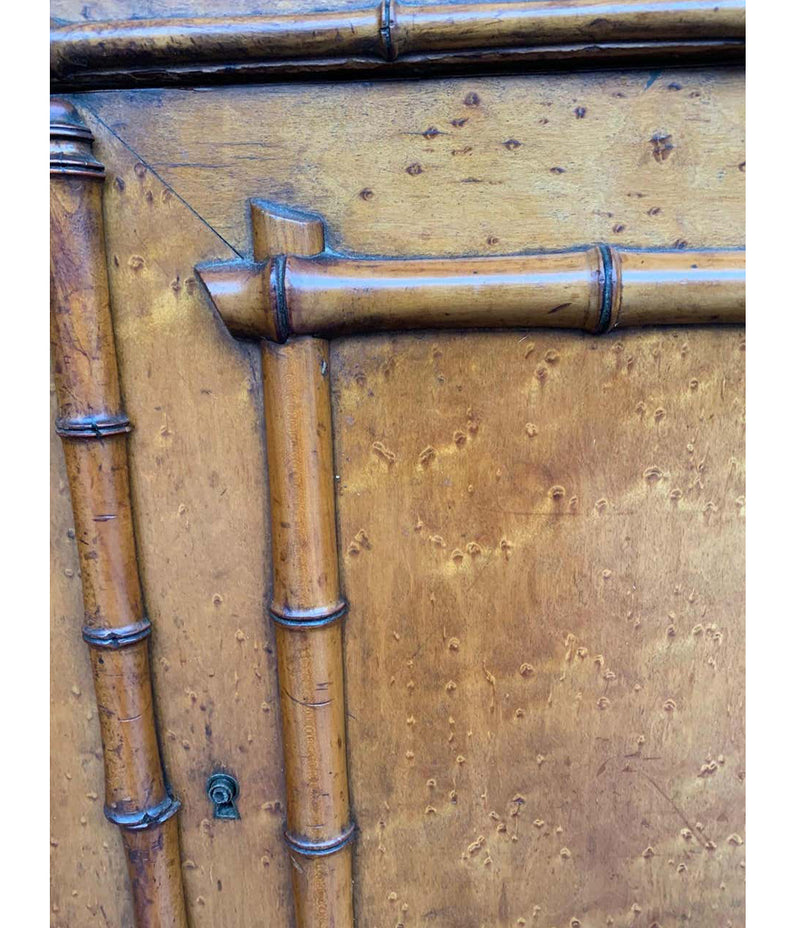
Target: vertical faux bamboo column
[(307, 607), (93, 425)]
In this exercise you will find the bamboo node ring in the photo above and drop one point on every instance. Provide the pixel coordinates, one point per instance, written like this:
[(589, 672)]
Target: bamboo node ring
[(93, 426), (117, 637), (320, 848), (308, 618), (146, 818)]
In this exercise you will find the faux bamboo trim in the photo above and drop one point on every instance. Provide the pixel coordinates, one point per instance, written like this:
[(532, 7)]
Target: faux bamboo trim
[(390, 36), (320, 848), (596, 288), (90, 414), (307, 605)]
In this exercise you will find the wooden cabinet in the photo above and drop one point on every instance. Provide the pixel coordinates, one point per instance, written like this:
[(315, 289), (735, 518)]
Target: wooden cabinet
[(399, 380)]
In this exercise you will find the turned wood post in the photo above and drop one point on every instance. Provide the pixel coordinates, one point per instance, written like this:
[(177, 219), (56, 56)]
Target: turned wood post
[(93, 426), (306, 606)]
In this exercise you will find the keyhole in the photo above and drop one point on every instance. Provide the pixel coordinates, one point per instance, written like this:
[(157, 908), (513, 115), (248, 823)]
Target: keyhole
[(223, 789)]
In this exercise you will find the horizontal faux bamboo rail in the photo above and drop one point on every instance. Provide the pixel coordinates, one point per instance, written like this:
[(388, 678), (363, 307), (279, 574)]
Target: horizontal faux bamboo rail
[(388, 33), (596, 289), (93, 426)]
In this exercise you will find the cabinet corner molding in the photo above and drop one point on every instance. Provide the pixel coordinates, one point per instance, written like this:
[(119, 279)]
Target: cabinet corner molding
[(93, 426)]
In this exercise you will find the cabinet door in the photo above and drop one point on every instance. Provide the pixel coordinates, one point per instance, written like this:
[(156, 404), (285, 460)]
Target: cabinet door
[(435, 482)]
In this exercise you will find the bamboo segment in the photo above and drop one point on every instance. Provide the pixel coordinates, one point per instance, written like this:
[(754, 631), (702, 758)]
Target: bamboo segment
[(244, 294), (439, 27), (334, 295), (300, 456), (388, 34), (307, 605), (162, 41), (323, 889), (154, 869), (93, 425), (312, 690), (134, 784), (684, 287), (99, 485), (597, 289)]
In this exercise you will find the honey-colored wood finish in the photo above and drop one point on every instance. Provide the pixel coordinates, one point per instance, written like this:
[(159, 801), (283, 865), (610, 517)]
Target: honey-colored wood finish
[(93, 426), (90, 880), (540, 532), (433, 27), (353, 295), (489, 166), (543, 552), (200, 501), (681, 288), (307, 607), (587, 290), (304, 552)]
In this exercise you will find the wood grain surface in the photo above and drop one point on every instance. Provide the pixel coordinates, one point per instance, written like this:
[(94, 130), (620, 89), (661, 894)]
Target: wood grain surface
[(501, 591), (543, 553), (489, 166)]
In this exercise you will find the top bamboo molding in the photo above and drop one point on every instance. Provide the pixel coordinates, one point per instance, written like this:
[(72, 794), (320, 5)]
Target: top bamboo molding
[(392, 36)]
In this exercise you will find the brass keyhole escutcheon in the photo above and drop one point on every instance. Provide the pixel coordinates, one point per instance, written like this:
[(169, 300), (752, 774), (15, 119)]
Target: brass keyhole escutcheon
[(223, 790)]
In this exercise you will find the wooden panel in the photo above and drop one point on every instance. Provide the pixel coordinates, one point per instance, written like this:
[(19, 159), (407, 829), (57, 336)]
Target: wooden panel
[(661, 165), (543, 553), (295, 464), (489, 166), (199, 490)]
